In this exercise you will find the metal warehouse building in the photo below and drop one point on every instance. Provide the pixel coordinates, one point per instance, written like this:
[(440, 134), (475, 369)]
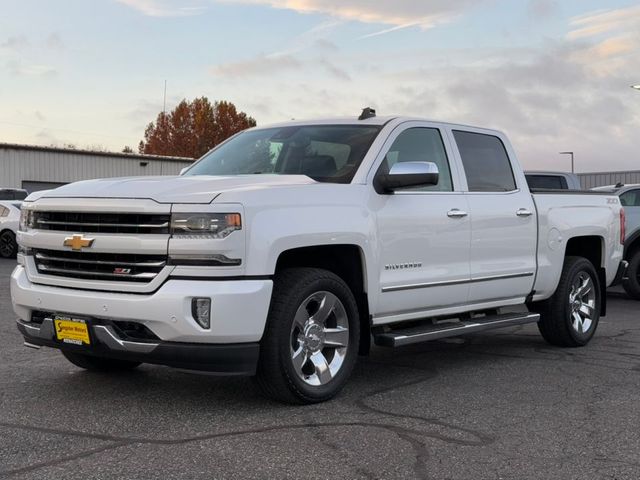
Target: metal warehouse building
[(598, 179), (38, 168)]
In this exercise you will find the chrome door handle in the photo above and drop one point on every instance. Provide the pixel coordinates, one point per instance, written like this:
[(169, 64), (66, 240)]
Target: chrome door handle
[(455, 213), (523, 212)]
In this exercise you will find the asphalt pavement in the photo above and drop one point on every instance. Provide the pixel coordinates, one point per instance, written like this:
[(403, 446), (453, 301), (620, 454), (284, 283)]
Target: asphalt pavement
[(499, 405)]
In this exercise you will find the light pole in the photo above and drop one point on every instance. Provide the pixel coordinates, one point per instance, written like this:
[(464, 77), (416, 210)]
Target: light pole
[(569, 153)]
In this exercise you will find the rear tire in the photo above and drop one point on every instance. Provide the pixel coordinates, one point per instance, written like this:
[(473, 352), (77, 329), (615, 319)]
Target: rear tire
[(631, 283), (99, 364), (570, 317), (311, 339), (8, 244)]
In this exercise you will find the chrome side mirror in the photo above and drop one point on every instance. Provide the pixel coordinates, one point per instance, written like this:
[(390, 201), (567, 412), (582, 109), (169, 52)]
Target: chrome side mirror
[(405, 175)]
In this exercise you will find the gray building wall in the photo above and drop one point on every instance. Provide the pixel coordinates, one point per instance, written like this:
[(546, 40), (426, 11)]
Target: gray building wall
[(599, 179), (36, 168)]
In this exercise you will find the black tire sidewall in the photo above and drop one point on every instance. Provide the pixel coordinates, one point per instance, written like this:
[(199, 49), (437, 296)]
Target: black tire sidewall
[(630, 283), (12, 236), (333, 284)]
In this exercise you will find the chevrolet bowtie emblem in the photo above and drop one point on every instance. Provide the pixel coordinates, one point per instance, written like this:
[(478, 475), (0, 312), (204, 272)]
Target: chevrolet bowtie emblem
[(78, 242)]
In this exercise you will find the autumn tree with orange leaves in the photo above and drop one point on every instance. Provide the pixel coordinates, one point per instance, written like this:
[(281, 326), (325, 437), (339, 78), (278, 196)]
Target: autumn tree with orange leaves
[(193, 128)]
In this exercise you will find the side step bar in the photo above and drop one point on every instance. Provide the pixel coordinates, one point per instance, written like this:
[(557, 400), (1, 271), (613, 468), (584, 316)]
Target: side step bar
[(423, 333)]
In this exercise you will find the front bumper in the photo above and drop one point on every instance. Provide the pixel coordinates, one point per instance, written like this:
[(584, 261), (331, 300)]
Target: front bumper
[(239, 311), (239, 308), (229, 359)]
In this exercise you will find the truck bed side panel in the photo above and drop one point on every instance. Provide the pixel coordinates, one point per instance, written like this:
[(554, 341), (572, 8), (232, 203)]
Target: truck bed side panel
[(563, 216)]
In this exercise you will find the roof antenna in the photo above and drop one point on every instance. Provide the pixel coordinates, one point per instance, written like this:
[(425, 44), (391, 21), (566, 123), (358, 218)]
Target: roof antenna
[(367, 113)]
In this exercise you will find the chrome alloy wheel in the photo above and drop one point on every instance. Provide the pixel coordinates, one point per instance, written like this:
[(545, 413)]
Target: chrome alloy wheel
[(582, 302), (319, 338)]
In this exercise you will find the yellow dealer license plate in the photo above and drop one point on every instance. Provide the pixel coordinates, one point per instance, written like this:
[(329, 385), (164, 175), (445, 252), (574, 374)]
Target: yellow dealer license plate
[(72, 330)]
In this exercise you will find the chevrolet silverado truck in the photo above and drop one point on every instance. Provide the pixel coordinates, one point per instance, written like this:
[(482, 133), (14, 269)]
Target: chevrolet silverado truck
[(288, 250)]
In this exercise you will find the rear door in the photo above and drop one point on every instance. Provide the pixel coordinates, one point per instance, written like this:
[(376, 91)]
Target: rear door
[(503, 217)]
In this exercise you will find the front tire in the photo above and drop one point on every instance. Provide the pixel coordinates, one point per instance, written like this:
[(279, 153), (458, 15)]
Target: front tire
[(8, 244), (631, 283), (570, 317), (311, 339), (99, 364)]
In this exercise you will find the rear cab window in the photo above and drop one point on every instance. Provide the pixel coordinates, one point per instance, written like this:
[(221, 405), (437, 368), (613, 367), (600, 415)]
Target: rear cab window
[(486, 164), (554, 182)]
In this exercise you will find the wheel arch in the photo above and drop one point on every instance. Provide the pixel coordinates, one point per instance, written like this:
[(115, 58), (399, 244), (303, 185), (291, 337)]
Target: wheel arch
[(591, 247), (346, 261)]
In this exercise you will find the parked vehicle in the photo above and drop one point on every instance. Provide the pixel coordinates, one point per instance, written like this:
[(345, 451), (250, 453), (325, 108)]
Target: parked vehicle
[(12, 194), (552, 180), (9, 218), (286, 249), (630, 199)]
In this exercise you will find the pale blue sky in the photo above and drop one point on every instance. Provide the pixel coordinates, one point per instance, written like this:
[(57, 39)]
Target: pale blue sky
[(554, 74)]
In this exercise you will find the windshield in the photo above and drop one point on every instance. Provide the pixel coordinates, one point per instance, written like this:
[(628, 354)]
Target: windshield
[(326, 153)]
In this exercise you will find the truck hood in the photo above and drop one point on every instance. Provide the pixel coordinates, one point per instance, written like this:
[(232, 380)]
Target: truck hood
[(196, 189)]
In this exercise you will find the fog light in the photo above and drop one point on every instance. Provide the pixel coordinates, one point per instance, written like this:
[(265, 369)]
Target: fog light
[(201, 311)]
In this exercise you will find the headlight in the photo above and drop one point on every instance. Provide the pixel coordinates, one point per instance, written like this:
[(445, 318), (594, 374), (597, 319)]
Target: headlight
[(204, 225), (26, 219)]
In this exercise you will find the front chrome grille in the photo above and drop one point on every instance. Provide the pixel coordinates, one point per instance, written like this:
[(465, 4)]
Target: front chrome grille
[(99, 266), (92, 222)]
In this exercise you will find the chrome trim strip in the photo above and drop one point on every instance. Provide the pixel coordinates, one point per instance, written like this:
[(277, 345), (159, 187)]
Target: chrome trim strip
[(396, 288), (93, 273), (44, 330), (107, 335), (426, 313), (42, 256), (86, 224)]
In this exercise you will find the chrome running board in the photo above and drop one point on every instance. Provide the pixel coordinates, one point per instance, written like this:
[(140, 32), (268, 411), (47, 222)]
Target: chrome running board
[(424, 333)]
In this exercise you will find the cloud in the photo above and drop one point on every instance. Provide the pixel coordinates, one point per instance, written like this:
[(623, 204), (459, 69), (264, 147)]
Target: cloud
[(334, 69), (610, 40), (424, 13), (261, 65), (166, 8), (21, 69), (54, 41), (16, 43), (605, 21), (541, 9)]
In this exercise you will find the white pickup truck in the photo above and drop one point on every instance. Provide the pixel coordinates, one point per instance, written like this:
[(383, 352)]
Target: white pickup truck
[(286, 250)]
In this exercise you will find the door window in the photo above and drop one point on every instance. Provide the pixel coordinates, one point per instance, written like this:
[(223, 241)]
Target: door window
[(421, 145), (486, 163), (630, 198)]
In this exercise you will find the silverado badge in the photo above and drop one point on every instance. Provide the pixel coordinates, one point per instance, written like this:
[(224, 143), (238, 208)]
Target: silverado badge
[(78, 242)]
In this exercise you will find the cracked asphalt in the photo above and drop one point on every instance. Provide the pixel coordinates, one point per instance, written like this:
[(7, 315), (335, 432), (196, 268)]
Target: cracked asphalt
[(501, 405)]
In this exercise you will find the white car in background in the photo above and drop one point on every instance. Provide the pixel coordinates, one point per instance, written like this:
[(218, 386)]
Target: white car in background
[(9, 219)]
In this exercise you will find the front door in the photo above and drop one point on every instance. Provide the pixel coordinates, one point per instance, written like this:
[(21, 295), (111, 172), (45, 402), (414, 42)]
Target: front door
[(424, 233)]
